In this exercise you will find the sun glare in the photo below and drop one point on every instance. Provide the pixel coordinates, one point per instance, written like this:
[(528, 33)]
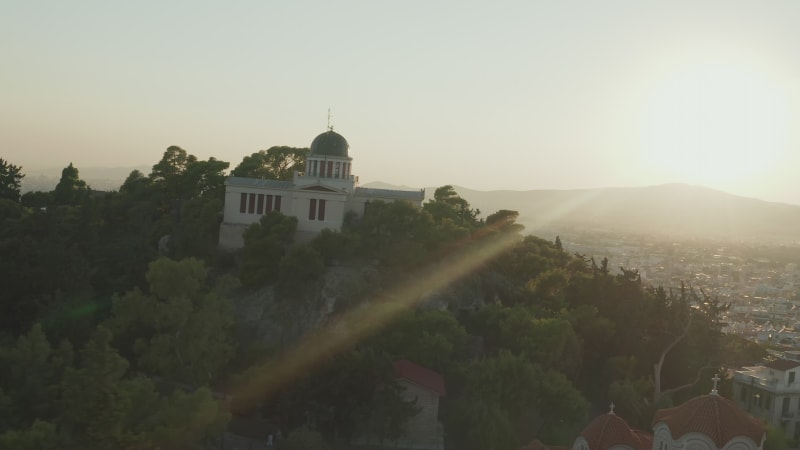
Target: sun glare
[(719, 125)]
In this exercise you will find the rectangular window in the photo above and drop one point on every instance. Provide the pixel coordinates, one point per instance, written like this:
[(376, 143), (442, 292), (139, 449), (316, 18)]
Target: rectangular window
[(321, 215), (269, 203), (312, 209), (338, 170), (260, 204), (243, 203), (330, 169), (791, 377), (785, 406), (277, 203), (251, 207), (314, 169)]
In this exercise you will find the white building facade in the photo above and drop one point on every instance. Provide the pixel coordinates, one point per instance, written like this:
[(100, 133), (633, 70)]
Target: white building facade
[(771, 392), (320, 198)]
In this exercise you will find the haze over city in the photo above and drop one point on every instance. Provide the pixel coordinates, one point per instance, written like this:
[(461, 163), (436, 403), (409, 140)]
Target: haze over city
[(516, 95)]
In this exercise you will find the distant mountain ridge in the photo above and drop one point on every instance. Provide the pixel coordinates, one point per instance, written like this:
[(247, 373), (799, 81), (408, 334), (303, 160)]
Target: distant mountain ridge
[(677, 210)]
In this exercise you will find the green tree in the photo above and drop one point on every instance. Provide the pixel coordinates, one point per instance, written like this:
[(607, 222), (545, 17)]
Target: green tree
[(40, 436), (106, 408), (36, 199), (550, 342), (508, 394), (275, 163), (448, 205), (777, 439), (182, 330), (10, 180), (335, 245), (303, 438), (264, 247), (434, 339), (96, 399), (31, 373), (504, 220), (387, 413), (205, 178), (70, 190), (172, 164), (179, 176), (299, 270), (396, 234)]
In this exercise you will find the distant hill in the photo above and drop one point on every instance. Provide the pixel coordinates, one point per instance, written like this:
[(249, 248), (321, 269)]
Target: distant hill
[(670, 210)]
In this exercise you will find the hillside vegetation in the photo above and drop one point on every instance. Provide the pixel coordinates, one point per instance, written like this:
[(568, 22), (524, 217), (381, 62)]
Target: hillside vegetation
[(123, 325)]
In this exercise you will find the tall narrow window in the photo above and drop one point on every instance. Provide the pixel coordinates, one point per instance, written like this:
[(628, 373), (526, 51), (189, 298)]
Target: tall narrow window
[(251, 207), (321, 215), (269, 203), (260, 204), (277, 203), (312, 209), (330, 169), (243, 203), (338, 169), (314, 168)]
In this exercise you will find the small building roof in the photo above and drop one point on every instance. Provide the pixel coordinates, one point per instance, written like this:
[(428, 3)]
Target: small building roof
[(609, 430), (782, 364), (259, 182), (427, 378), (714, 416)]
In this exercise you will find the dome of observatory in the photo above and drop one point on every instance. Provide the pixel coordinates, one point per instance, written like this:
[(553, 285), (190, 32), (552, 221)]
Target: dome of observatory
[(330, 143)]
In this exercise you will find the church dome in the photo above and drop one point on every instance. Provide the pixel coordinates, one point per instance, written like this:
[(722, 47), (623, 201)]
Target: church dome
[(714, 416), (609, 430), (329, 143)]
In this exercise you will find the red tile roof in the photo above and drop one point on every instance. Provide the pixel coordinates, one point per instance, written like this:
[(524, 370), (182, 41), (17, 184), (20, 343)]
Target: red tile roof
[(422, 376), (782, 364), (718, 418), (608, 430), (645, 438)]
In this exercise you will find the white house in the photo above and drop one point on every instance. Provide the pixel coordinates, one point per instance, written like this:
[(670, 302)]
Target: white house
[(772, 392), (319, 198)]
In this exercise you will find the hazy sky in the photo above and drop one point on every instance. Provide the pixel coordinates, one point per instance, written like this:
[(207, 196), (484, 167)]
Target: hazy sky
[(489, 95)]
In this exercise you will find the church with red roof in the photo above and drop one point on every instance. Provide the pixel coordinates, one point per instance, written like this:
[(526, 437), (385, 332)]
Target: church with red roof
[(707, 422)]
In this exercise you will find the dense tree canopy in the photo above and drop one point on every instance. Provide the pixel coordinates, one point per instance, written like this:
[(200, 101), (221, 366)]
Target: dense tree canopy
[(119, 317), (10, 180), (275, 163)]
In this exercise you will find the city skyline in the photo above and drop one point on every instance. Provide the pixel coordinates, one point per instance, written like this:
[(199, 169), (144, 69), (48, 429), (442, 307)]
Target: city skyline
[(518, 95)]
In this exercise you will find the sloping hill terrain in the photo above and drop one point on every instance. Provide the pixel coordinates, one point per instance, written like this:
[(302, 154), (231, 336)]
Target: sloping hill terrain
[(669, 210)]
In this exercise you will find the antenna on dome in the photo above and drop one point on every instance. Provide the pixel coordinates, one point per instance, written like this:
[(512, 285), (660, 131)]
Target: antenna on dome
[(715, 380), (330, 127), (611, 409)]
